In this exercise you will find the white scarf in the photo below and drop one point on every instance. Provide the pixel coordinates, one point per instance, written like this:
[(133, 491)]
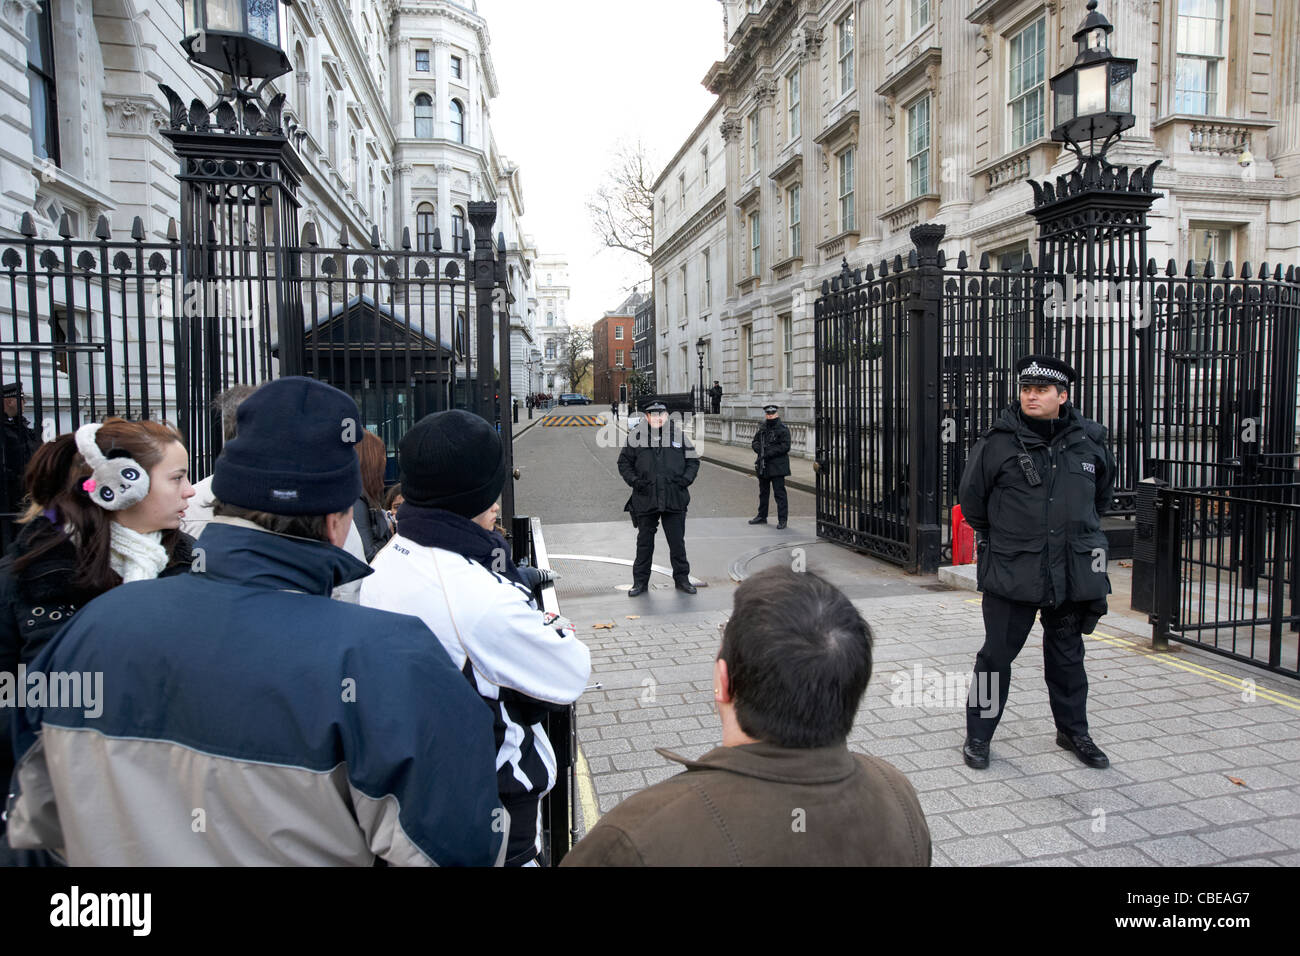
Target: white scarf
[(136, 556)]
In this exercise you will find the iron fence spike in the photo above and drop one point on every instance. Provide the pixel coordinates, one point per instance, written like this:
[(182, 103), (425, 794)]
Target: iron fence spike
[(102, 231), (137, 229), (406, 237)]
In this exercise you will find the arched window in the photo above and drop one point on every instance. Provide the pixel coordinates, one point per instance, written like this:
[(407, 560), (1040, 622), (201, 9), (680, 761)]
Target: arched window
[(356, 167), (424, 224), (457, 121), (550, 348), (423, 116), (457, 228), (550, 318)]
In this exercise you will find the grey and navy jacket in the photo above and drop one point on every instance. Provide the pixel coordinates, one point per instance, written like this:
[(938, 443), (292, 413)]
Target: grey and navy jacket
[(246, 718)]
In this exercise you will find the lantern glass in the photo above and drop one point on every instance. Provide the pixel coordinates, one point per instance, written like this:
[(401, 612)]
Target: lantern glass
[(1095, 39), (1092, 89), (1121, 91), (1064, 106), (221, 15), (263, 20)]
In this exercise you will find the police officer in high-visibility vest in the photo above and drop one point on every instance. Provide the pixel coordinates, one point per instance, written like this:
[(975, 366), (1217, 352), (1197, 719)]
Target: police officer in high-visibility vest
[(1034, 489)]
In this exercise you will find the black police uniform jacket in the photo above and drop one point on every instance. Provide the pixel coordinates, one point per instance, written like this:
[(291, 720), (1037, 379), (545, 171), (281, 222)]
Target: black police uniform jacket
[(659, 465), (772, 445), (1040, 542)]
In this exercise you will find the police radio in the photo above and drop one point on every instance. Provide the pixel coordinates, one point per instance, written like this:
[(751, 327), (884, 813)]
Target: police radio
[(1031, 473)]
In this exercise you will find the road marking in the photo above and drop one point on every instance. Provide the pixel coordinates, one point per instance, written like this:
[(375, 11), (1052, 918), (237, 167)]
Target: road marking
[(1200, 670), (587, 795), (561, 420)]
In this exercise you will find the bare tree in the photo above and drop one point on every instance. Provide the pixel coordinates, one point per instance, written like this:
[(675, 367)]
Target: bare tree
[(575, 356), (622, 210)]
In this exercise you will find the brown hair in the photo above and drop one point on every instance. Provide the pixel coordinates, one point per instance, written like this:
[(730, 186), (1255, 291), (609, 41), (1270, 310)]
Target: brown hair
[(311, 527), (54, 476), (373, 455)]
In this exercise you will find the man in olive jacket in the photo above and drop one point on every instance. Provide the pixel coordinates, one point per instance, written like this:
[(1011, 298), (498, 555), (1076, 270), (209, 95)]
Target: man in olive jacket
[(771, 444), (659, 463), (1034, 490), (783, 789)]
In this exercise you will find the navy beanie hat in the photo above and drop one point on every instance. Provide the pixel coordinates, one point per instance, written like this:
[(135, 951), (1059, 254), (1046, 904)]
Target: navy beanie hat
[(452, 460), (294, 452)]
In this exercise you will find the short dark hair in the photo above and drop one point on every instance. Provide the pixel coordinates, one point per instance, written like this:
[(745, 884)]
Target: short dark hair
[(311, 527), (798, 656)]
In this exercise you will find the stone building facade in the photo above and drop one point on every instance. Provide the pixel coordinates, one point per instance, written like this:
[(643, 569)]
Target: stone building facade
[(553, 323), (391, 99), (847, 122), (689, 258)]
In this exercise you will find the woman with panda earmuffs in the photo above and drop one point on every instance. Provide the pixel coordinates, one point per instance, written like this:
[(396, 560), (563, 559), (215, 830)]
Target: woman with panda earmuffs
[(104, 508)]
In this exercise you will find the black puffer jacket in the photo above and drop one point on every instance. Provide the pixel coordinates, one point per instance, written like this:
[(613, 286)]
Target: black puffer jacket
[(36, 603), (658, 464), (1043, 544), (772, 446)]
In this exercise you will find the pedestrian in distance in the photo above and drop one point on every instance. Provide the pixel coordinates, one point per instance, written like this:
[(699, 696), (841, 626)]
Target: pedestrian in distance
[(246, 718), (715, 393), (771, 443), (783, 789), (659, 463), (1034, 489), (94, 522), (18, 442), (450, 568)]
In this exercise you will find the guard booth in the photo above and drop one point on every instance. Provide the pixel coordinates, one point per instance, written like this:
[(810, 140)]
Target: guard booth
[(396, 372)]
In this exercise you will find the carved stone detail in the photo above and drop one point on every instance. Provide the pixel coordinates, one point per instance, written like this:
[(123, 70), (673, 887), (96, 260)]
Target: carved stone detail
[(730, 128), (765, 90)]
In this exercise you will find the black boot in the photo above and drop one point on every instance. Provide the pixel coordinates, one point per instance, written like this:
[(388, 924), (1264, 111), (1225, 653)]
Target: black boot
[(976, 753), (1084, 749), (759, 520), (636, 590)]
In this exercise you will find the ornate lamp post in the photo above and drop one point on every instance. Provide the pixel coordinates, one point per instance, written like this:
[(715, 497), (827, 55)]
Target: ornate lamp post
[(239, 39), (1093, 97), (699, 350)]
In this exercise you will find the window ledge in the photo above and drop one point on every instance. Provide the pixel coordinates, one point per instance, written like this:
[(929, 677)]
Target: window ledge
[(1019, 164), (911, 212), (1211, 135)]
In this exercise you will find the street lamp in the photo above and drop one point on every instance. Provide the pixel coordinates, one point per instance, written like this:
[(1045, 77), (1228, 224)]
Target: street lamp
[(237, 38), (1094, 95), (699, 350)]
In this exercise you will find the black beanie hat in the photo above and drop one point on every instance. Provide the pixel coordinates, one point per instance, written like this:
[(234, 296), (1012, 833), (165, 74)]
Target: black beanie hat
[(452, 460), (293, 452)]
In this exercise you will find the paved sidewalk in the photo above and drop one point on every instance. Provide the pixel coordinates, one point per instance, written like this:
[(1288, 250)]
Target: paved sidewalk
[(1205, 764)]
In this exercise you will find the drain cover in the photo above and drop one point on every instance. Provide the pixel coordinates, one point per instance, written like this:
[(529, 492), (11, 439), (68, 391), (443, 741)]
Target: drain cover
[(585, 578)]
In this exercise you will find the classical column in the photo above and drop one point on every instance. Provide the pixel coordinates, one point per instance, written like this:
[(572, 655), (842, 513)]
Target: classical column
[(1132, 37), (443, 173), (404, 108), (1284, 139), (731, 129), (950, 124)]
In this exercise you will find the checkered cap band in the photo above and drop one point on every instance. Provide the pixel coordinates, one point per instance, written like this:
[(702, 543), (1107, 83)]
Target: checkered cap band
[(1034, 370)]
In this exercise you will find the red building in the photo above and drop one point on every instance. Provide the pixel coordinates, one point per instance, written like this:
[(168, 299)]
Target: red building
[(611, 349)]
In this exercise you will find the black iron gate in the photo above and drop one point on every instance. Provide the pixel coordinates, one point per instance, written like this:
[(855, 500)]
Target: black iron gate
[(154, 329)]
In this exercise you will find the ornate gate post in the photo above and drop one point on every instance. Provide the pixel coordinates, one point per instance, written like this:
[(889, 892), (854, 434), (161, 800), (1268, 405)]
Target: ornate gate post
[(483, 216), (925, 301)]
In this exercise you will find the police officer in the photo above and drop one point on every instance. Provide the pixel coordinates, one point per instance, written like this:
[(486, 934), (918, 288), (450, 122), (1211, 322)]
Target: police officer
[(1033, 490), (659, 463), (18, 442), (772, 445)]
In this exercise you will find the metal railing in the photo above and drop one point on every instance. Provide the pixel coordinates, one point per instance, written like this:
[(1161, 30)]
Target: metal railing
[(1226, 574)]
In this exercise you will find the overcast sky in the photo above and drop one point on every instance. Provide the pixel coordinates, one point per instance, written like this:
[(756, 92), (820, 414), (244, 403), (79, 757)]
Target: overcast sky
[(576, 77)]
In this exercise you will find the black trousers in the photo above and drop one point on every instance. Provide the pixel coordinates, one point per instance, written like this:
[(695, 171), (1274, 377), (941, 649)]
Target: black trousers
[(777, 484), (674, 531), (1006, 627)]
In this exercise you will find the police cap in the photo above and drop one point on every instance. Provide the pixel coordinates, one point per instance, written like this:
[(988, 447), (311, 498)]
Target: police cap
[(1044, 370), (771, 409)]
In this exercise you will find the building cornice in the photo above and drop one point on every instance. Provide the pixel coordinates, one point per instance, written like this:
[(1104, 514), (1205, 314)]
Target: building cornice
[(705, 216)]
